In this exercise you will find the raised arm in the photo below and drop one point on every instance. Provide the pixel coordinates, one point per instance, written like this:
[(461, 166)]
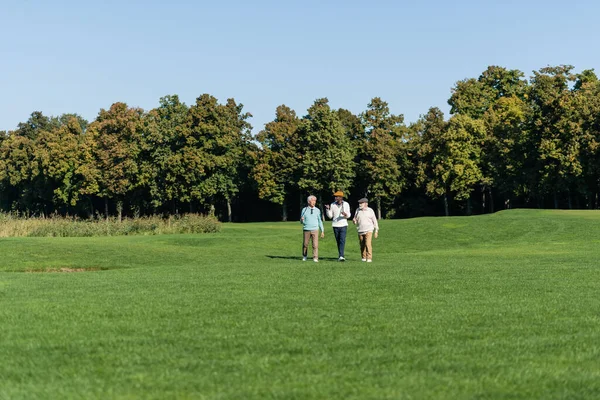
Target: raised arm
[(328, 211)]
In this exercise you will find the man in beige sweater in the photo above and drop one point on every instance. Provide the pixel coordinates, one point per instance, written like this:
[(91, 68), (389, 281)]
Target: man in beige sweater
[(367, 226)]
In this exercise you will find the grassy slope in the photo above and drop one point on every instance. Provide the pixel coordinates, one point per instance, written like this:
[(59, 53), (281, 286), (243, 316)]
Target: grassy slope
[(499, 306)]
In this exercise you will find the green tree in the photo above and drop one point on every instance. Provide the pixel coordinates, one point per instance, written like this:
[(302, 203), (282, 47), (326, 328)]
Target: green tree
[(450, 156), (111, 148), (277, 160), (223, 135), (18, 169), (164, 148), (383, 154), (506, 152), (586, 105), (473, 97), (352, 124), (21, 169), (36, 123), (327, 154), (58, 154), (554, 132)]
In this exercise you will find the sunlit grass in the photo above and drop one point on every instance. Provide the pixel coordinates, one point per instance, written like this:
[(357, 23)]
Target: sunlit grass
[(502, 306)]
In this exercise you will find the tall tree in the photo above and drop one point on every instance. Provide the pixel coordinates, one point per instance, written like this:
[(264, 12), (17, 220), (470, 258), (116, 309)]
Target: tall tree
[(383, 155), (164, 148), (277, 161), (586, 105), (450, 156), (554, 134), (58, 153), (506, 151), (223, 134), (18, 169), (113, 144), (20, 166), (327, 154)]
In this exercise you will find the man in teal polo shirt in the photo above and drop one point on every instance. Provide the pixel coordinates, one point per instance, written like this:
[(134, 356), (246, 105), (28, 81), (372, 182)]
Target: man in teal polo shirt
[(312, 223)]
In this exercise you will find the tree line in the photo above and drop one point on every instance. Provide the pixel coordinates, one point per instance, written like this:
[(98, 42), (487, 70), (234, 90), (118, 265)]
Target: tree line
[(509, 142)]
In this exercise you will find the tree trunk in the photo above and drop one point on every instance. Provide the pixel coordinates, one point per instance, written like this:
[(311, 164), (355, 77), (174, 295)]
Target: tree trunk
[(284, 215), (211, 211), (555, 200), (569, 199), (229, 210), (469, 211), (91, 208), (378, 208), (483, 199), (446, 210), (120, 210), (106, 207), (491, 199)]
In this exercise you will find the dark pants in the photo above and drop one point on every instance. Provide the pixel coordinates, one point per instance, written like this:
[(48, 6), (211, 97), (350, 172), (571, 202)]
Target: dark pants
[(340, 239)]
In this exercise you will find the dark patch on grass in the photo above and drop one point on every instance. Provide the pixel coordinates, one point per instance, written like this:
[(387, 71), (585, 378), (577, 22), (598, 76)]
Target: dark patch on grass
[(61, 270)]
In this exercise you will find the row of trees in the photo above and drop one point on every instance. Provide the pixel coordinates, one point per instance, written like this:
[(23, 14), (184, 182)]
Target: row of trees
[(522, 142)]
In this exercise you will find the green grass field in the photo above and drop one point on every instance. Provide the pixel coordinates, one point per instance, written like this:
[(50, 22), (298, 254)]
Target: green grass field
[(502, 306)]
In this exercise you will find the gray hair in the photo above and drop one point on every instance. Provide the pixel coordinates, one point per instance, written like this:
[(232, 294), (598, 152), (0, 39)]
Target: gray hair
[(310, 197)]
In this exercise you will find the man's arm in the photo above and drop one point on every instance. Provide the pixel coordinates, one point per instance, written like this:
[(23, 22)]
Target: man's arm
[(329, 212), (321, 223), (346, 209), (375, 223)]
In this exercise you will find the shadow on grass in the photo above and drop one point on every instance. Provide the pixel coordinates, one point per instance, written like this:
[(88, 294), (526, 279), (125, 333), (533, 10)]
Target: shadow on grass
[(300, 258)]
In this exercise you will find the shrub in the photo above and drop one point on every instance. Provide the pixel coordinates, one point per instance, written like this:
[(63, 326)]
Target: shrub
[(12, 225)]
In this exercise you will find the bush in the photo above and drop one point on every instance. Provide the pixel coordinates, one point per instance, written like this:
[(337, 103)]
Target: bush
[(12, 225)]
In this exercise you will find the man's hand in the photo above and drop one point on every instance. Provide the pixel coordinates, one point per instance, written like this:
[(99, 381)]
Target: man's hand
[(327, 206), (354, 221), (376, 234), (322, 235), (301, 219)]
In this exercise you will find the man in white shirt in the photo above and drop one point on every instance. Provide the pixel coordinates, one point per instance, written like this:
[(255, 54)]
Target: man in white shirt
[(339, 212)]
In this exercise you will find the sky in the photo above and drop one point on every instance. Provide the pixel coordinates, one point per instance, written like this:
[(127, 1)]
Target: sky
[(82, 56)]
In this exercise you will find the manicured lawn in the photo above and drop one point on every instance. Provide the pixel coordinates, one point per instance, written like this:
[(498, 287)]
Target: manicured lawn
[(502, 306)]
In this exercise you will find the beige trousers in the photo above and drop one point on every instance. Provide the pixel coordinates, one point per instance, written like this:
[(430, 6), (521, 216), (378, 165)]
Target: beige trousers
[(366, 250), (314, 237)]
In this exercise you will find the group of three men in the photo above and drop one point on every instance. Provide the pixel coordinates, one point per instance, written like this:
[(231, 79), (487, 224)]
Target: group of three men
[(339, 212)]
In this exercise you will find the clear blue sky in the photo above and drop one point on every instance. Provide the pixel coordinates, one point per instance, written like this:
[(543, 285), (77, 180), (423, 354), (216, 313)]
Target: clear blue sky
[(80, 56)]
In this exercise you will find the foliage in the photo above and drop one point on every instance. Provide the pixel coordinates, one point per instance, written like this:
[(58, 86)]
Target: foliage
[(524, 142), (56, 226), (382, 152), (326, 152)]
